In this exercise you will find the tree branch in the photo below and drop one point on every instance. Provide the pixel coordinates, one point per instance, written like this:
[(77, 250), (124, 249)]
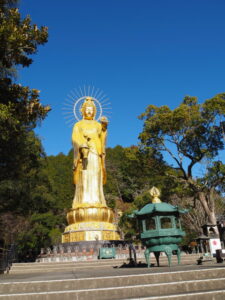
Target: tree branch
[(177, 161)]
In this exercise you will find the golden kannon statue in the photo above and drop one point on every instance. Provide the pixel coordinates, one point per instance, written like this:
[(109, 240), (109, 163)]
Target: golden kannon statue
[(90, 218)]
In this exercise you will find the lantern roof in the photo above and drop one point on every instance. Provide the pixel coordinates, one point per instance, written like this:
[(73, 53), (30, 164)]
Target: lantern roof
[(159, 207)]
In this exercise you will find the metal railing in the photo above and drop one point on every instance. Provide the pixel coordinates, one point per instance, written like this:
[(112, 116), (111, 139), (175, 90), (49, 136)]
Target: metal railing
[(7, 257)]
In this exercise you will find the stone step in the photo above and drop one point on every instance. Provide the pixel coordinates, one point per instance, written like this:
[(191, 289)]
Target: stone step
[(58, 267), (155, 283), (127, 292), (205, 295), (31, 264), (191, 257), (40, 269), (61, 264)]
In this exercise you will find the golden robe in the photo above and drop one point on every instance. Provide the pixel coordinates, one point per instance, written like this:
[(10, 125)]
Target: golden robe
[(89, 182)]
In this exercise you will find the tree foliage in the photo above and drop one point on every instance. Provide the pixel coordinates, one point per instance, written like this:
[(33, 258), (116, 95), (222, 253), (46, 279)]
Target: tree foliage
[(131, 173), (18, 37), (190, 133), (20, 107), (24, 189), (60, 173)]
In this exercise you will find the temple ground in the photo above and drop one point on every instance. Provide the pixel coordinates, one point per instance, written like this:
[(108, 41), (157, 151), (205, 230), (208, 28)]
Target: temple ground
[(115, 279)]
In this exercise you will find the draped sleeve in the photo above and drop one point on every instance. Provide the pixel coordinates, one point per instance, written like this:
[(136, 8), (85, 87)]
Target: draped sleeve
[(77, 140), (103, 143)]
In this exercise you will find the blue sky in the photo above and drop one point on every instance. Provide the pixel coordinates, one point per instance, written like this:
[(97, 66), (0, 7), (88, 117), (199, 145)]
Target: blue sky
[(138, 52)]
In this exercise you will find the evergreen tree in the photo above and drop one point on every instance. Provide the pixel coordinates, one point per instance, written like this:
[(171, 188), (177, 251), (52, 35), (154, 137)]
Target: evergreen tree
[(21, 153), (190, 133)]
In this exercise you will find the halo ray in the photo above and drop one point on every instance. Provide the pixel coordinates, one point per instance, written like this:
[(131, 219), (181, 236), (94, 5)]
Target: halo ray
[(71, 97), (67, 113), (78, 93), (81, 93), (106, 104), (95, 95), (68, 121), (74, 94), (92, 91), (105, 100), (67, 104), (98, 96), (85, 93), (69, 118), (69, 101), (101, 98)]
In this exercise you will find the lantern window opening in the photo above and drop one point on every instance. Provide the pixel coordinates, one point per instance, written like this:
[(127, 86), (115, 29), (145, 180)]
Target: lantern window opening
[(150, 224), (166, 223)]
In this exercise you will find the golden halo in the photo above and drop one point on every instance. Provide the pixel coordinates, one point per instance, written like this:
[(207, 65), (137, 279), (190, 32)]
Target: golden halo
[(74, 101)]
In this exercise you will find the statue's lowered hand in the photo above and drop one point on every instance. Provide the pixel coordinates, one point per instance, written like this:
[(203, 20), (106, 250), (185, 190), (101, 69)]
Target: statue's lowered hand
[(84, 156)]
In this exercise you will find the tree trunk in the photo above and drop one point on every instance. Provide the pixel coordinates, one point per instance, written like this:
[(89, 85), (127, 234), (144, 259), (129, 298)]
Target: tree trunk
[(209, 212)]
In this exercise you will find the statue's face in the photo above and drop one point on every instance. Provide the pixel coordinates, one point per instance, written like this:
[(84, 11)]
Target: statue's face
[(89, 112)]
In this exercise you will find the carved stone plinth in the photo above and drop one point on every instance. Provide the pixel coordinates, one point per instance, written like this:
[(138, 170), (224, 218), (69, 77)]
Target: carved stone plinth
[(93, 223)]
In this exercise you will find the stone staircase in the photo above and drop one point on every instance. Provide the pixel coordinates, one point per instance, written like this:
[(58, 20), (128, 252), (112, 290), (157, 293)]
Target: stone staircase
[(23, 268), (113, 279)]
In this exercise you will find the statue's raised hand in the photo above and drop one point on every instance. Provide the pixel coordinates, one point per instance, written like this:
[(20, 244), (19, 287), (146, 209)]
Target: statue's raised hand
[(104, 121)]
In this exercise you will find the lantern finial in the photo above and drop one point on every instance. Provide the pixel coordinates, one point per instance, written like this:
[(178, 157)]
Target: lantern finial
[(155, 193)]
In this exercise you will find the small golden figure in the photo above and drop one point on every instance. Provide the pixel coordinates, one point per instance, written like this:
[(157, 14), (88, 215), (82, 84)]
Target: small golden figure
[(155, 193)]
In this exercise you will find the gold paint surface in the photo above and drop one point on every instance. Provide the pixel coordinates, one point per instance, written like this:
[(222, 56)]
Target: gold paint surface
[(90, 218), (91, 226), (91, 235), (155, 193), (90, 214)]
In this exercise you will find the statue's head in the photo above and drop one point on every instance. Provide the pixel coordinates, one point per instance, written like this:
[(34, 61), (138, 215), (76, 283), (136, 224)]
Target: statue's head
[(88, 109)]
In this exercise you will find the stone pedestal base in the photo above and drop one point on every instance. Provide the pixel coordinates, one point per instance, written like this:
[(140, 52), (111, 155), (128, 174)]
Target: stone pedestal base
[(90, 231), (90, 224)]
